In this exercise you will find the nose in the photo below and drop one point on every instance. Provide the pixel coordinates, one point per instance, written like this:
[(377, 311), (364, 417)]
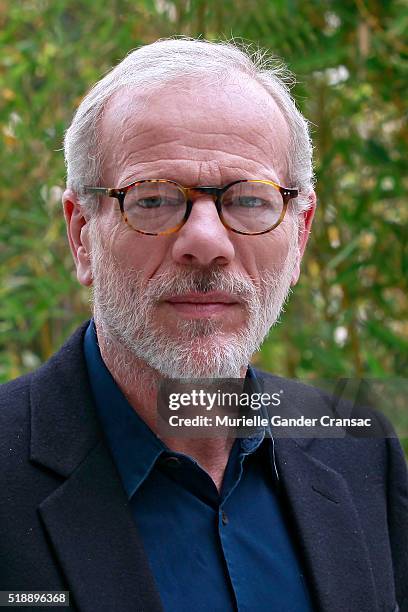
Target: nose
[(203, 240)]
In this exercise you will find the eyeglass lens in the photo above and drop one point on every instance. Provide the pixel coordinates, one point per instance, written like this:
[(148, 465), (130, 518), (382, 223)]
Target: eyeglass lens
[(246, 207)]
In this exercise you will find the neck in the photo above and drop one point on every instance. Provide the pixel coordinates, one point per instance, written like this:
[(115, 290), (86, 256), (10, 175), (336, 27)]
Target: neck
[(140, 383)]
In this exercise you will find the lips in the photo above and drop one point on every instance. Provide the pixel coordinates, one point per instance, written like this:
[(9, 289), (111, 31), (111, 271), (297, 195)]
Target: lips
[(202, 305), (212, 297)]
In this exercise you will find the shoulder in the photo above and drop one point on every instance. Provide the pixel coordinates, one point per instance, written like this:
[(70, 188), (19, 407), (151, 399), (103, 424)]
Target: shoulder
[(14, 423), (12, 395), (17, 390), (16, 396), (373, 453)]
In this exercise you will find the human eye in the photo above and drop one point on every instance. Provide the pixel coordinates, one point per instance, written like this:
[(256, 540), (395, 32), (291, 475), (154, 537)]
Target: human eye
[(149, 202), (249, 202)]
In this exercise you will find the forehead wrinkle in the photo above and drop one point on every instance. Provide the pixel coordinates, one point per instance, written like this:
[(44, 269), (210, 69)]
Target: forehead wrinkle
[(152, 152), (137, 135), (205, 151), (238, 139), (189, 174), (159, 167), (189, 160), (209, 169)]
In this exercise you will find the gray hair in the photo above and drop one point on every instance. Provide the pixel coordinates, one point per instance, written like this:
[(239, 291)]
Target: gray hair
[(153, 65)]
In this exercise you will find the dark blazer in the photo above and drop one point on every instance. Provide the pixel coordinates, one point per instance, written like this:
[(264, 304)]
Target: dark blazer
[(65, 522)]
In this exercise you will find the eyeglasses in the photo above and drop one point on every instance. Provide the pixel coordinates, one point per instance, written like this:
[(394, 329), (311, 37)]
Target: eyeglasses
[(158, 207)]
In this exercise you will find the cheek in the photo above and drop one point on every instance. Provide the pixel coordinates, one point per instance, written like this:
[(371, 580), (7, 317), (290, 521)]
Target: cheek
[(265, 252), (145, 254)]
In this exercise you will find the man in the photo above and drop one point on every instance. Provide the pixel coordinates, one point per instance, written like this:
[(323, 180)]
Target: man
[(188, 206)]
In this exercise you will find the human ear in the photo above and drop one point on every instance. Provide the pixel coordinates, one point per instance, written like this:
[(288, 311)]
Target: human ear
[(77, 231), (305, 224)]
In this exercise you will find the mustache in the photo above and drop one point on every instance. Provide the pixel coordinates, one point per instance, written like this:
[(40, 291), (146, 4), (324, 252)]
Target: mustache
[(201, 281)]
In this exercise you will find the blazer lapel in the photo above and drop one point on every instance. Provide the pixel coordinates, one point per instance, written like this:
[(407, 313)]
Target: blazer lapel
[(87, 517), (95, 539), (328, 527)]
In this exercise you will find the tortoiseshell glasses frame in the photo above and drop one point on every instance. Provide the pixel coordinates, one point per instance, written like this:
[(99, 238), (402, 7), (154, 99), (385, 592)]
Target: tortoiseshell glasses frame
[(218, 192)]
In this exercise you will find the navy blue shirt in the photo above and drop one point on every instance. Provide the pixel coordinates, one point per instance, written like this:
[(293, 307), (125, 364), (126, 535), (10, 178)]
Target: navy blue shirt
[(208, 550)]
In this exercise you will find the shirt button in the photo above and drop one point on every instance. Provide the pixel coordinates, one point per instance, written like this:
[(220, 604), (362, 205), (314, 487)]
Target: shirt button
[(224, 518), (172, 461)]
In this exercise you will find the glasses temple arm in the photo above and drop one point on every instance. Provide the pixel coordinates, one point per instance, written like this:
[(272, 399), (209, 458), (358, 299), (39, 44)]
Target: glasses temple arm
[(105, 190)]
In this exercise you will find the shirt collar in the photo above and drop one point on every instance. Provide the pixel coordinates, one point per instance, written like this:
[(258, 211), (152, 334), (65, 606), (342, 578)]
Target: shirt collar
[(134, 446)]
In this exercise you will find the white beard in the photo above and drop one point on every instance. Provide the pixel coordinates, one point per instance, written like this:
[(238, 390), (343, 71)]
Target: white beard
[(124, 311)]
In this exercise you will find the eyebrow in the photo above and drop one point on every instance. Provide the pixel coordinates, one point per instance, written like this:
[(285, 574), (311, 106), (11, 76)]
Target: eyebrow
[(178, 177)]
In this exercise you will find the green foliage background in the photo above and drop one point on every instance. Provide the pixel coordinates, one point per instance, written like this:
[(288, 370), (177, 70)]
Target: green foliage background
[(348, 315)]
